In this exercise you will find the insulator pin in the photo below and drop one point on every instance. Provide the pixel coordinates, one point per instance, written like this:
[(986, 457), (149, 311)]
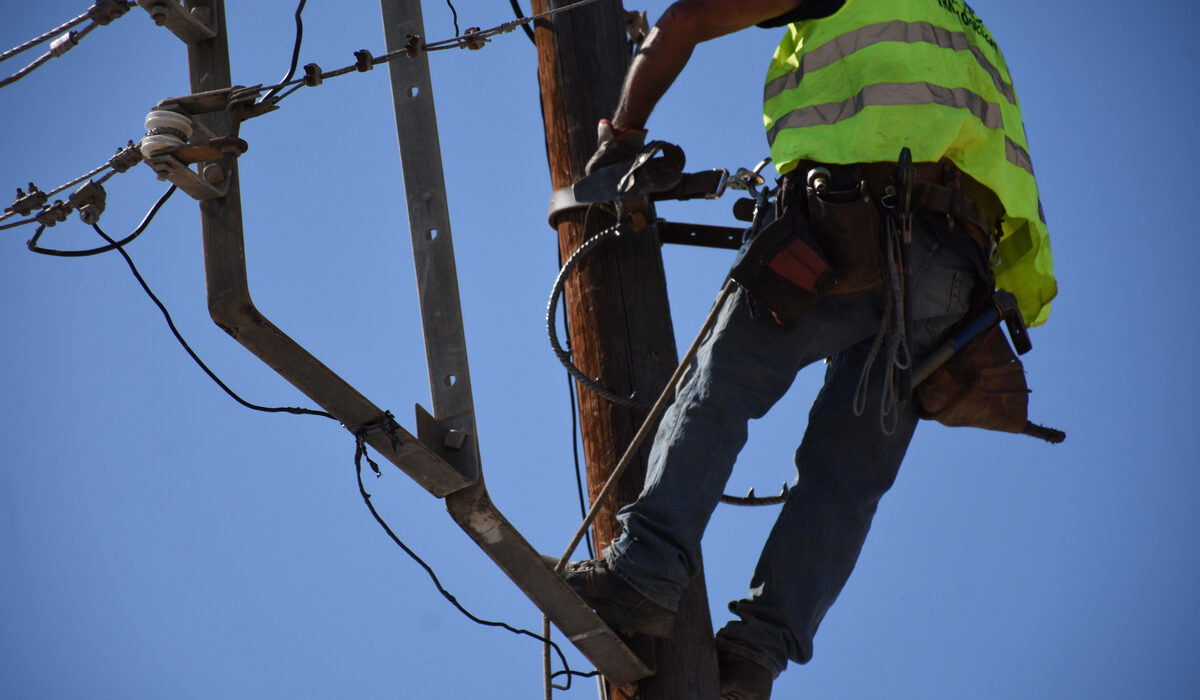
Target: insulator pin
[(165, 130)]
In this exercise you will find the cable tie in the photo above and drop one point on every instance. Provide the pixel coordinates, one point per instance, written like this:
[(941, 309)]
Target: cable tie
[(312, 75), (363, 61), (386, 423)]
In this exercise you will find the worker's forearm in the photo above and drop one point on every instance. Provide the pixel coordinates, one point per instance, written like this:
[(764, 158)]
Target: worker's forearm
[(671, 42), (662, 57)]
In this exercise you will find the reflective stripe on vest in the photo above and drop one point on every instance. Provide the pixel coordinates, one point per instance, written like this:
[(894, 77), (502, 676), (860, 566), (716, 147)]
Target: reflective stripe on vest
[(875, 76)]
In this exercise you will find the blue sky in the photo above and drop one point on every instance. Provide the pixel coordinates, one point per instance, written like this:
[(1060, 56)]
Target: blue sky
[(160, 541)]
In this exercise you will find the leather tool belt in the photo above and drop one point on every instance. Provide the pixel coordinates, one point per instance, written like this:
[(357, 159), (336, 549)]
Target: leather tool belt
[(827, 235)]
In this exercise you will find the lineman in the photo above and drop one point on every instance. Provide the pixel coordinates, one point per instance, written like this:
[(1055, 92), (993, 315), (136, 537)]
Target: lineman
[(852, 84)]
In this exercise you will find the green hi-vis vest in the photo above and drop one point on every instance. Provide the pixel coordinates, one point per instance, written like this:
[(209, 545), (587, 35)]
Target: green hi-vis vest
[(857, 86)]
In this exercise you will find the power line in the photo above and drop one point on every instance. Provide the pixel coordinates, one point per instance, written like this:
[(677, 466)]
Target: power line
[(27, 202), (516, 6), (179, 337), (453, 12), (33, 242), (359, 454), (101, 13), (295, 51), (473, 38)]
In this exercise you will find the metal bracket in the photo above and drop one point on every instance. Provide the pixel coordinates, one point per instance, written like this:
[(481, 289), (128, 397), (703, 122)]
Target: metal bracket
[(211, 179), (191, 21), (210, 183), (450, 431), (727, 237), (602, 186)]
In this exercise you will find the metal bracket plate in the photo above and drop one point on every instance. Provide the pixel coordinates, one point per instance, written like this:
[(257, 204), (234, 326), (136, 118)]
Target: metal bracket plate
[(450, 430), (191, 23)]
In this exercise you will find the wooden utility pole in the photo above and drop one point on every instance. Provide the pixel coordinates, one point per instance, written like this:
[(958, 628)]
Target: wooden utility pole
[(620, 323)]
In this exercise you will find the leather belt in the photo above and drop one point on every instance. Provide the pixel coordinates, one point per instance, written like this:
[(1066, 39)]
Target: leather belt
[(941, 188)]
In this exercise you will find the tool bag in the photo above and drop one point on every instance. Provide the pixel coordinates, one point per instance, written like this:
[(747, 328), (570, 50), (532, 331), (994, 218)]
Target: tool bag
[(817, 244), (981, 386)]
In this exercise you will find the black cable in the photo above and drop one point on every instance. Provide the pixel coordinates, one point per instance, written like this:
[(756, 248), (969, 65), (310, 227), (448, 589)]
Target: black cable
[(360, 451), (583, 504), (569, 673), (33, 246), (295, 54), (516, 6), (175, 331), (454, 12)]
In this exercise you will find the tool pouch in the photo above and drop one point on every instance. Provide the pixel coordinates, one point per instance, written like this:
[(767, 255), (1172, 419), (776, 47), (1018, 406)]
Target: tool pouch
[(784, 266), (849, 227), (981, 386)]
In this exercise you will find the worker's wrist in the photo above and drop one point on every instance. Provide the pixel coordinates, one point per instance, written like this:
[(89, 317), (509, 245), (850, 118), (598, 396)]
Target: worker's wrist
[(618, 130)]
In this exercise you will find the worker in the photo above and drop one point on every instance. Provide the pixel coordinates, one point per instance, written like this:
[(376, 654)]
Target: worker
[(852, 84)]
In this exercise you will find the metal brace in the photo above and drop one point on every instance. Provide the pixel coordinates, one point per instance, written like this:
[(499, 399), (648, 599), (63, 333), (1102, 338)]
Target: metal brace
[(191, 23)]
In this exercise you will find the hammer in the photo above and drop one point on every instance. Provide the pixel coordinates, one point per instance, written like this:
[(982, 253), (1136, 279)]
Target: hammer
[(1003, 307)]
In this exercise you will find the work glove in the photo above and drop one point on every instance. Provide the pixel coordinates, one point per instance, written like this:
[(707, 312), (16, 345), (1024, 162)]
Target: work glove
[(615, 145)]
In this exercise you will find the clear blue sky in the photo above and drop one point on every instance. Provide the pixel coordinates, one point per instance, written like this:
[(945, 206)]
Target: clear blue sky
[(159, 541)]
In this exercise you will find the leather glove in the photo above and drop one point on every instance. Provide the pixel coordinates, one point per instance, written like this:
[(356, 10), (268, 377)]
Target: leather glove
[(615, 145)]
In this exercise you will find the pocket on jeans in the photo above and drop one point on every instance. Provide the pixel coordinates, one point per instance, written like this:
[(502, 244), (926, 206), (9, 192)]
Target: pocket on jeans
[(941, 288), (960, 294)]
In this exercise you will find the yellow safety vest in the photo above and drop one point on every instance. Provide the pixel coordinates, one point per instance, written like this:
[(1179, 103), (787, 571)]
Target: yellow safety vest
[(858, 85)]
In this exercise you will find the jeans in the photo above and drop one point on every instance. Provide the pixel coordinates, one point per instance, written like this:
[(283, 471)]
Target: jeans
[(845, 462)]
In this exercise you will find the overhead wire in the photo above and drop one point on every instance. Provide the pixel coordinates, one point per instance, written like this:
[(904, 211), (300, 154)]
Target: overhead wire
[(32, 244), (360, 453), (101, 13), (516, 6), (295, 53), (472, 38), (179, 337), (56, 49), (454, 12), (44, 37), (124, 159), (360, 450)]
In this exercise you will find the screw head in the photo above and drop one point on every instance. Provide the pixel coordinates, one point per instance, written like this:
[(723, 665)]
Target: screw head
[(213, 173)]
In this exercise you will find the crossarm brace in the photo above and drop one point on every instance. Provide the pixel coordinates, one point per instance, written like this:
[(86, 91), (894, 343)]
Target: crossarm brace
[(445, 347), (444, 457)]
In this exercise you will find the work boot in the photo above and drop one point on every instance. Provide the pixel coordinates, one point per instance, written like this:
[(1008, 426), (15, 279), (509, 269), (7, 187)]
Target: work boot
[(742, 679), (616, 602)]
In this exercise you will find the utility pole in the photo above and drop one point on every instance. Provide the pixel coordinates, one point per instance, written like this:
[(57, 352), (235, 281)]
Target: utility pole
[(620, 323)]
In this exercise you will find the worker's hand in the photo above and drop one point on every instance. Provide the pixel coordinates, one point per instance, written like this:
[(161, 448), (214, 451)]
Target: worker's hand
[(615, 145)]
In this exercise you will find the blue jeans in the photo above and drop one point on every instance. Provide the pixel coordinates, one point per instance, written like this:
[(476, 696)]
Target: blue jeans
[(844, 464)]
